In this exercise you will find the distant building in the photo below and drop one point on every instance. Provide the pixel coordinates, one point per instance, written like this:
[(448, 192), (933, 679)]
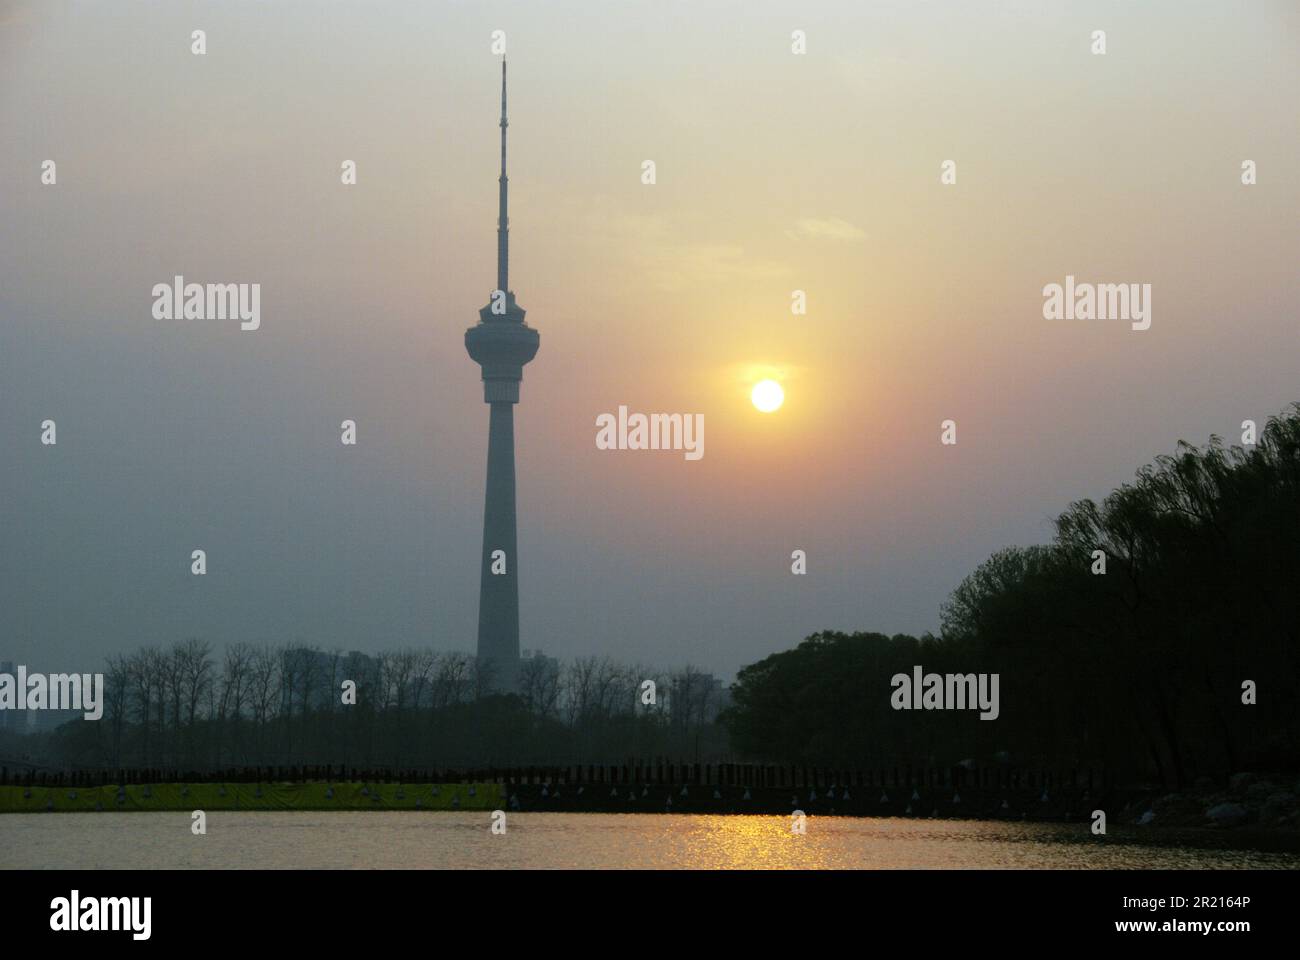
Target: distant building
[(719, 698), (539, 659), (320, 674), (24, 722), (45, 721), (698, 701)]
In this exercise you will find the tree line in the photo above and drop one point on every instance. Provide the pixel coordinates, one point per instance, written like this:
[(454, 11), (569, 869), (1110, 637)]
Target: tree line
[(189, 707), (1154, 636)]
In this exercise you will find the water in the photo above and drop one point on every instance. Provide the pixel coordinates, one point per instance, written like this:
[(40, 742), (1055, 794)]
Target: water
[(366, 839)]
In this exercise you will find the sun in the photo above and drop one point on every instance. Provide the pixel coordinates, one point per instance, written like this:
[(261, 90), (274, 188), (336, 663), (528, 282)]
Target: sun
[(767, 396)]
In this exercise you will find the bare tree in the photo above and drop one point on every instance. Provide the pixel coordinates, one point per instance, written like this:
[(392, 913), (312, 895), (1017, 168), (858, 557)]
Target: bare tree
[(193, 659), (593, 686), (539, 685), (171, 666), (144, 675), (118, 692), (401, 665), (421, 676), (453, 679), (264, 677), (234, 694)]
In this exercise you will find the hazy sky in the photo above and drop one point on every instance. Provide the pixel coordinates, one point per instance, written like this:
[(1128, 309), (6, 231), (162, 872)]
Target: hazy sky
[(775, 172)]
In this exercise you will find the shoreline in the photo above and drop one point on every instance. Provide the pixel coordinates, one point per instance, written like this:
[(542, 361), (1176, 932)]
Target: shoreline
[(1256, 809)]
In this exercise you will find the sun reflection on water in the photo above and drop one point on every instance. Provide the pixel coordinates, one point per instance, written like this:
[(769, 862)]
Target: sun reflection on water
[(414, 839)]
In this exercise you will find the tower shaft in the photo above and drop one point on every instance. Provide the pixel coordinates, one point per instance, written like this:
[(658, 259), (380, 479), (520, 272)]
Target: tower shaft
[(498, 597)]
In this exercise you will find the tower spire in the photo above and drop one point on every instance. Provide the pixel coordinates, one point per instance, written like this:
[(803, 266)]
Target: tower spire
[(503, 221)]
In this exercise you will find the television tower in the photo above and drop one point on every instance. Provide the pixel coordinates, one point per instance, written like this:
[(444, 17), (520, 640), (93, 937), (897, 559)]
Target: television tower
[(500, 343)]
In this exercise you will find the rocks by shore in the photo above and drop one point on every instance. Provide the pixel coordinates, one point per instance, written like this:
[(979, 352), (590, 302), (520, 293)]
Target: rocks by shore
[(1248, 801)]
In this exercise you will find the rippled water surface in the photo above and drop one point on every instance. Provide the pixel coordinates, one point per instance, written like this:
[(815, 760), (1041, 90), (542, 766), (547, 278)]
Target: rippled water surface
[(408, 839)]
